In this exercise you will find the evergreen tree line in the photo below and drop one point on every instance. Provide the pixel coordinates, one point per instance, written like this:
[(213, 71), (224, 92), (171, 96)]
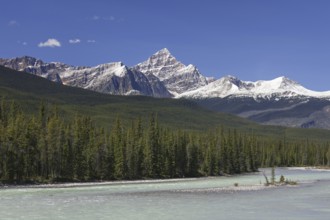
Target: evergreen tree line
[(45, 147)]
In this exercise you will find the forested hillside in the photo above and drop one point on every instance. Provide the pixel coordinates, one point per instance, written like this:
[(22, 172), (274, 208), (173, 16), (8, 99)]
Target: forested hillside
[(51, 132), (29, 90), (44, 147)]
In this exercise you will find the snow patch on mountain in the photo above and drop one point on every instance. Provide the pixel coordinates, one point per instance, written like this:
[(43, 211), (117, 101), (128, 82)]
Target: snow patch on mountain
[(91, 77), (111, 78), (232, 86)]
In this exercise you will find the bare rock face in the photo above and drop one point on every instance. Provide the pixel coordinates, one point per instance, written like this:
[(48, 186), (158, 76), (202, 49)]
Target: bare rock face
[(35, 66), (114, 78), (111, 78), (177, 77), (160, 76)]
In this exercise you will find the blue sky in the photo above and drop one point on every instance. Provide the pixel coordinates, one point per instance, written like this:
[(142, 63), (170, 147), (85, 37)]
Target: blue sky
[(250, 39)]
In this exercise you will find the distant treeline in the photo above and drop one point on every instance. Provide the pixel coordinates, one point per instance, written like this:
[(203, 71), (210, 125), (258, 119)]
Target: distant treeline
[(45, 147)]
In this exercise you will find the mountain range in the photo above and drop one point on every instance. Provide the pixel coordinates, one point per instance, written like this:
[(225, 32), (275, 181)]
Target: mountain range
[(280, 101), (29, 91)]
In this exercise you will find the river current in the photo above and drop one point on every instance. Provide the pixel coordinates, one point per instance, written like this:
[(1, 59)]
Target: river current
[(197, 198)]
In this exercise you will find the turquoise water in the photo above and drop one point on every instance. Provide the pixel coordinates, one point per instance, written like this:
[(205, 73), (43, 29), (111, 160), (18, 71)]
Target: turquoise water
[(205, 198)]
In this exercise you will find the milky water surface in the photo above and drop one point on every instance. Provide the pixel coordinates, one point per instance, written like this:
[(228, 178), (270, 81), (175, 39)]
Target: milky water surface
[(203, 198)]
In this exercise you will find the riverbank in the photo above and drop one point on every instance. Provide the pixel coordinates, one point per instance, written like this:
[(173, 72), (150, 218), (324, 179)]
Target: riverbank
[(95, 183), (317, 168), (228, 184), (121, 182), (197, 198), (111, 182)]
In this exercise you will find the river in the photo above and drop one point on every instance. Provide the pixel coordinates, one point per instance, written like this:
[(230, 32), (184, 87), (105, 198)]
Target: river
[(200, 198)]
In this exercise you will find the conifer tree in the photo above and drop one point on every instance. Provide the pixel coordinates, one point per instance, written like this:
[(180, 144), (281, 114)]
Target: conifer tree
[(151, 143), (118, 149), (328, 156)]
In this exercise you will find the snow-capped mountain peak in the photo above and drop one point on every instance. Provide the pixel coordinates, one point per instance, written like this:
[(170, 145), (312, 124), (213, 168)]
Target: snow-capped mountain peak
[(231, 79), (176, 76), (161, 64), (115, 68), (161, 75), (163, 52), (232, 86), (277, 83)]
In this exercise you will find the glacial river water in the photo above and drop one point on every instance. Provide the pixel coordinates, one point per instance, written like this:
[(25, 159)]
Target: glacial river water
[(203, 198)]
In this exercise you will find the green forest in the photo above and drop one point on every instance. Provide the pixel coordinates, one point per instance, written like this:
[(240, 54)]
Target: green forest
[(48, 147)]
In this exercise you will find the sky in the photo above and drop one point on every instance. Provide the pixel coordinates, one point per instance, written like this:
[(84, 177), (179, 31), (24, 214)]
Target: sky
[(250, 39)]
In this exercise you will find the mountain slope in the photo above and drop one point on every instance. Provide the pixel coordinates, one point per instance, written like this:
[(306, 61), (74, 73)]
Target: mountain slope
[(30, 90), (280, 101), (304, 112)]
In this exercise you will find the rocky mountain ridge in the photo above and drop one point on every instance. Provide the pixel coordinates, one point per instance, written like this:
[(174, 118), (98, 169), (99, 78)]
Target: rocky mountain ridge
[(177, 77), (280, 101), (161, 75), (280, 87)]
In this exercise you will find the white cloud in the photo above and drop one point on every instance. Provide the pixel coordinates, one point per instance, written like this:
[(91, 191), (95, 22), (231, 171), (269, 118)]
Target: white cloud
[(102, 18), (91, 41), (51, 42), (13, 23), (74, 41), (24, 43), (111, 18), (96, 17)]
